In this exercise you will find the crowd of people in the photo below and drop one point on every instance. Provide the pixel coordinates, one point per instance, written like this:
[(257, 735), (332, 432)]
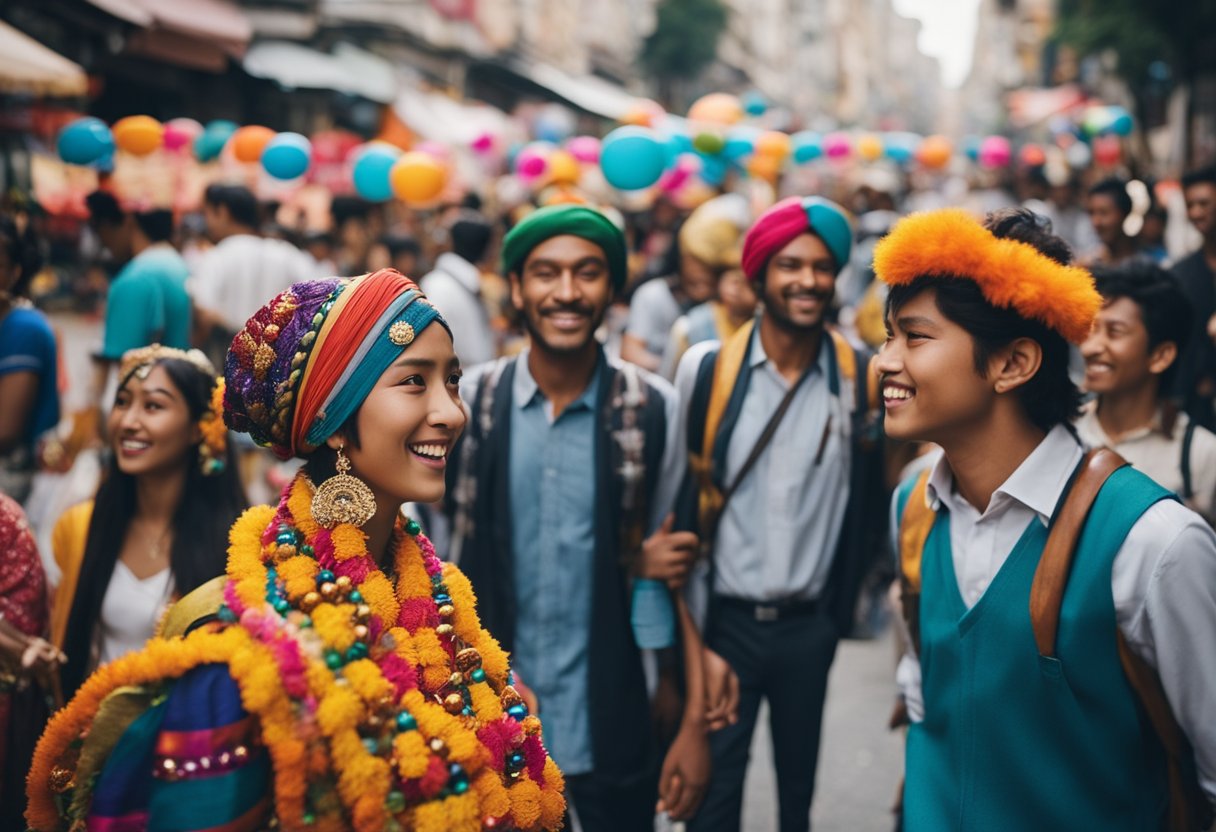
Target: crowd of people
[(655, 458)]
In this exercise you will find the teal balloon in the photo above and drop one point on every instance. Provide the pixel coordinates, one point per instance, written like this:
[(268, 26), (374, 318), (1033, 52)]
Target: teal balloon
[(371, 174), (287, 156), (755, 104), (632, 158), (740, 143), (215, 135), (900, 147), (85, 141), (105, 164), (971, 147), (1122, 122), (807, 146), (676, 145), (713, 168)]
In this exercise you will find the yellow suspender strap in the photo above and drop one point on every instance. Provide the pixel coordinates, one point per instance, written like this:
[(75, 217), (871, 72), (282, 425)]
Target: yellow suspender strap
[(726, 373), (914, 527)]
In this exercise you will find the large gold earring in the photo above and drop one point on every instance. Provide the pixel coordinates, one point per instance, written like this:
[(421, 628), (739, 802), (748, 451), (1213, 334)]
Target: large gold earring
[(343, 498)]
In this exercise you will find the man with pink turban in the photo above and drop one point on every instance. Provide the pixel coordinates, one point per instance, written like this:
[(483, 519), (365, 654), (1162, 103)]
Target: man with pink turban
[(785, 456)]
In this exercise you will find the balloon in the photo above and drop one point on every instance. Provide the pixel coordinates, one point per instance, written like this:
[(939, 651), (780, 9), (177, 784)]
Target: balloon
[(436, 150), (1108, 150), (533, 160), (84, 141), (483, 144), (1121, 121), (371, 173), (1078, 155), (248, 142), (643, 114), (211, 143), (755, 104), (417, 178), (1032, 156), (716, 108), (807, 146), (971, 147), (181, 133), (1097, 120), (900, 147), (287, 156), (740, 142), (869, 147), (679, 174), (709, 143), (585, 149), (837, 145), (138, 135), (773, 144), (554, 123), (935, 152), (713, 169), (632, 158), (764, 167), (674, 145), (563, 168), (995, 152)]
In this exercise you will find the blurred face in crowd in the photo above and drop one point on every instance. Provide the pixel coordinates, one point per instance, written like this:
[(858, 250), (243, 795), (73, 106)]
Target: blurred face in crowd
[(116, 237), (696, 279), (737, 294), (219, 223), (799, 282), (409, 422), (1201, 208), (1106, 218), (563, 290), (930, 386), (150, 426), (1117, 354)]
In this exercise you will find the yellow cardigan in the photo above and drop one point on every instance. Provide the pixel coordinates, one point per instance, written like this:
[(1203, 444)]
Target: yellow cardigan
[(67, 544)]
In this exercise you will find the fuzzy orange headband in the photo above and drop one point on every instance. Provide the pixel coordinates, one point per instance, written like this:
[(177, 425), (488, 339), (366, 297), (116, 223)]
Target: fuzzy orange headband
[(1011, 274)]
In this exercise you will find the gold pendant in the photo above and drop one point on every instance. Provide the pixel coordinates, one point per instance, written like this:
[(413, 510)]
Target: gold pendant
[(343, 498)]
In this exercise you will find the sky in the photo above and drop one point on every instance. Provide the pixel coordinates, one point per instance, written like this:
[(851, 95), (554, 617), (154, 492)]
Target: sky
[(947, 33)]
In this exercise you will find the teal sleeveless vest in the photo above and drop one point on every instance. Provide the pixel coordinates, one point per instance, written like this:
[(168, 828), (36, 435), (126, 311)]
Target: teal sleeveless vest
[(1013, 740)]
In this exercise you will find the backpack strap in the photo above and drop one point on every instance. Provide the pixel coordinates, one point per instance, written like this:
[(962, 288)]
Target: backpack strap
[(627, 399), (914, 526), (1188, 484), (1189, 809), (464, 491)]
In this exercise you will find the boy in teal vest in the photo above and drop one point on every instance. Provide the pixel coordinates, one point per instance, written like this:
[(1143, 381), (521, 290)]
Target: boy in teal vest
[(1003, 737)]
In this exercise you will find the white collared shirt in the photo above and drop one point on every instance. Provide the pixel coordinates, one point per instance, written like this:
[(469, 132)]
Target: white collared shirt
[(1163, 581)]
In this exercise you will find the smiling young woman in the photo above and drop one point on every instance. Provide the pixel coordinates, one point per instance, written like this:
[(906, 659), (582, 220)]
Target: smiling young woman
[(337, 677), (155, 530)]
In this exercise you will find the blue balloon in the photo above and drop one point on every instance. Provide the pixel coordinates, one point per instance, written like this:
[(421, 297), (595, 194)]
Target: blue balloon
[(287, 156), (807, 145), (713, 168), (371, 171), (675, 145), (740, 143), (755, 104), (632, 158), (85, 141), (105, 164), (215, 135), (971, 147), (900, 147), (1121, 122)]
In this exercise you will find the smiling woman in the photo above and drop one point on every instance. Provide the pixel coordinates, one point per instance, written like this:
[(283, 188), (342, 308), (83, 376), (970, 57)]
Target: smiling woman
[(337, 677)]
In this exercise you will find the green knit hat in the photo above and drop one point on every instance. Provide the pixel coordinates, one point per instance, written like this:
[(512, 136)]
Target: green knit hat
[(556, 220)]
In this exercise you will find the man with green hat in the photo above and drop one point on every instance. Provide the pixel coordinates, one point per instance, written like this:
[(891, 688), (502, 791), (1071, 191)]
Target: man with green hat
[(561, 492)]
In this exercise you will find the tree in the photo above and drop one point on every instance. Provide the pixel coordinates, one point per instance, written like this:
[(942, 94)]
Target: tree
[(684, 40), (1146, 34)]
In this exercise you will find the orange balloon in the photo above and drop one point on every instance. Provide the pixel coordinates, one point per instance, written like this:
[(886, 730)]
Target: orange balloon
[(644, 114), (869, 147), (563, 168), (764, 167), (417, 178), (1032, 155), (773, 144), (249, 142), (138, 135), (716, 108), (935, 152)]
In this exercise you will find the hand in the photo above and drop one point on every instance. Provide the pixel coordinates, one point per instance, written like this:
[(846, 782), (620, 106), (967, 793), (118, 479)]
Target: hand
[(721, 692), (1212, 327), (668, 556), (685, 773), (42, 660)]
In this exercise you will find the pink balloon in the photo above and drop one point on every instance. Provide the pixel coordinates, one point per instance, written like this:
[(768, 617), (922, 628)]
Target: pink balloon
[(586, 149), (484, 143), (436, 150), (181, 133), (995, 152), (837, 145), (533, 160)]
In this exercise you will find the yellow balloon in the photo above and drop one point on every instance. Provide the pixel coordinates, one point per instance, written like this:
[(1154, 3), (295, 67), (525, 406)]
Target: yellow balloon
[(138, 135), (563, 168), (773, 144), (869, 147), (767, 168), (716, 108), (417, 178)]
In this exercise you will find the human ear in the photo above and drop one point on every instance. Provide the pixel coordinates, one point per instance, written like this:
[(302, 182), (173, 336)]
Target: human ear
[(1016, 364), (517, 290), (1162, 357), (336, 441)]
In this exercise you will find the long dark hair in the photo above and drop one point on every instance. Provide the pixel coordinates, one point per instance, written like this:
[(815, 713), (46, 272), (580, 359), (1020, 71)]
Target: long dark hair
[(208, 508)]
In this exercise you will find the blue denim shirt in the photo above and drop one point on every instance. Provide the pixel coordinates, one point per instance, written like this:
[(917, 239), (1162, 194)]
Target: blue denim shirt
[(553, 537)]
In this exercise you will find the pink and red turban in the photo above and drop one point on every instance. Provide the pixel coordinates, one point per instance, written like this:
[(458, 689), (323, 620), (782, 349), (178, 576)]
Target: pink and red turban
[(778, 226)]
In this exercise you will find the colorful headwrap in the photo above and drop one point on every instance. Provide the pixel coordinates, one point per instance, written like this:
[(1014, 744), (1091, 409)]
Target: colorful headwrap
[(556, 220), (308, 358), (1011, 274), (778, 226)]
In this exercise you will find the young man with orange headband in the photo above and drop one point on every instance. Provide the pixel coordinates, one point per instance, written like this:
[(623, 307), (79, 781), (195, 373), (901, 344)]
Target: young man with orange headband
[(1062, 605)]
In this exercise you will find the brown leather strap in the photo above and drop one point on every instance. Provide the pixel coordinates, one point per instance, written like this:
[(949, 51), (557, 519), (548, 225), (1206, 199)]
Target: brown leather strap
[(1051, 576)]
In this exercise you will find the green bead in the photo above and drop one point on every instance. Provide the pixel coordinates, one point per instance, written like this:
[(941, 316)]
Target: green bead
[(324, 577), (460, 786), (356, 597), (357, 651), (333, 659), (412, 528), (305, 623), (281, 606), (395, 802), (307, 550), (371, 744), (406, 721), (478, 676), (309, 818)]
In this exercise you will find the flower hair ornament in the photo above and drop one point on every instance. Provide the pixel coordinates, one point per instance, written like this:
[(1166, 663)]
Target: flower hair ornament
[(213, 450)]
